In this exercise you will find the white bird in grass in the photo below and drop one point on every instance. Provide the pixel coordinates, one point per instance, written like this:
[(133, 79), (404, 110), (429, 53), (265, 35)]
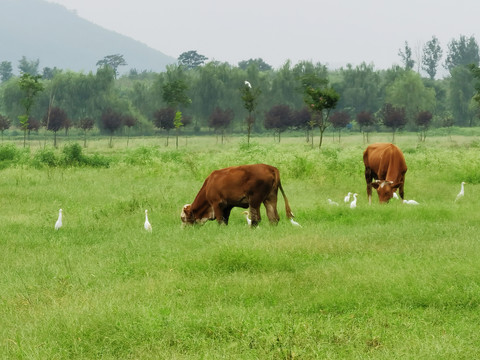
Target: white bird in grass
[(353, 204), (295, 223), (395, 196), (331, 202), (248, 84), (249, 221), (461, 193), (411, 202), (347, 198), (147, 224), (58, 224)]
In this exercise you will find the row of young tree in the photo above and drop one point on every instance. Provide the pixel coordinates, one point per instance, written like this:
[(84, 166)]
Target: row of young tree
[(216, 95)]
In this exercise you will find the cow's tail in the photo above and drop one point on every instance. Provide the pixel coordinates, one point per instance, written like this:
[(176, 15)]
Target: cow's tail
[(287, 205)]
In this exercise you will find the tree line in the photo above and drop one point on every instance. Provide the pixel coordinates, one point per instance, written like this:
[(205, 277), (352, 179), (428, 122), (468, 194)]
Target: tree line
[(206, 95)]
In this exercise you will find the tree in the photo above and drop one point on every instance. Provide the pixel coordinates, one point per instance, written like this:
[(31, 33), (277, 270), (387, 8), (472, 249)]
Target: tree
[(278, 119), (301, 120), (4, 124), (111, 121), (129, 121), (113, 61), (423, 121), (462, 52), (406, 56), (33, 125), (432, 54), (30, 85), (475, 70), (365, 120), (54, 120), (86, 124), (163, 119), (258, 63), (191, 59), (250, 96), (339, 120), (360, 88), (320, 99), (28, 66), (6, 71), (393, 118), (460, 94), (220, 120), (409, 92), (177, 122)]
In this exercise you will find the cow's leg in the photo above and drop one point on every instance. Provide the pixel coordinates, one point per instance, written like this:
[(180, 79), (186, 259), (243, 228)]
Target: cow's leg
[(226, 214), (368, 179), (255, 215), (218, 211), (400, 189), (271, 207)]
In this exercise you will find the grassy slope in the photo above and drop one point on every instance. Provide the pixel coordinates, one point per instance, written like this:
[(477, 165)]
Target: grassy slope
[(375, 282)]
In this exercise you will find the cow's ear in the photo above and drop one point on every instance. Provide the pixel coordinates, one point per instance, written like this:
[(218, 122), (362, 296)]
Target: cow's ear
[(375, 184)]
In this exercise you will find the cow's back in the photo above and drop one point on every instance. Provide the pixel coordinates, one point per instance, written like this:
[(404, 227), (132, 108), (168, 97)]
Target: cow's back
[(385, 160)]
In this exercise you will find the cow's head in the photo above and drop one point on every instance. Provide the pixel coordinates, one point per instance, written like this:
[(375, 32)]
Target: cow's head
[(187, 215), (385, 189)]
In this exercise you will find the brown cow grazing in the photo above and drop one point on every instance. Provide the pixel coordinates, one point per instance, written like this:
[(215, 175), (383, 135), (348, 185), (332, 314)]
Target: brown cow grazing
[(385, 163), (245, 186)]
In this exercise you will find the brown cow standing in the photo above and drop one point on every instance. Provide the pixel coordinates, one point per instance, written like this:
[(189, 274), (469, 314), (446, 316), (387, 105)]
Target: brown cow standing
[(385, 163), (245, 186)]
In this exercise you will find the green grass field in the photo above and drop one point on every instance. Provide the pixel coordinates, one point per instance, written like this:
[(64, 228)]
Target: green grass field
[(375, 282)]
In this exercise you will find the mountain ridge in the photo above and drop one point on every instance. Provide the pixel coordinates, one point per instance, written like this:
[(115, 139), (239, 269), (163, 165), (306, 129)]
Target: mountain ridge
[(60, 38)]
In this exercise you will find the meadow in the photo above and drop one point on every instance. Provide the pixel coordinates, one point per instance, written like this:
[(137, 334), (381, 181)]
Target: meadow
[(376, 282)]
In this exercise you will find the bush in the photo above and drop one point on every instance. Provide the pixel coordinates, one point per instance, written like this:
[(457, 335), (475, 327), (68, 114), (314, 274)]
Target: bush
[(45, 157), (73, 155), (8, 152)]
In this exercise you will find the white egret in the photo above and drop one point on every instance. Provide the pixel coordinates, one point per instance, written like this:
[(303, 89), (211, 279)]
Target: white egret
[(411, 202), (249, 221), (395, 196), (295, 223), (248, 84), (58, 224), (331, 202), (353, 204), (147, 224), (347, 198), (461, 193)]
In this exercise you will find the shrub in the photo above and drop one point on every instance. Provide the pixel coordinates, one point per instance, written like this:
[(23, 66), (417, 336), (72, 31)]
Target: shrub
[(72, 155), (45, 157), (8, 152)]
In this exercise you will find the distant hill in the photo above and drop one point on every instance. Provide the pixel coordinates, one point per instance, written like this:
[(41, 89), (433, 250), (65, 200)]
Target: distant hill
[(59, 38)]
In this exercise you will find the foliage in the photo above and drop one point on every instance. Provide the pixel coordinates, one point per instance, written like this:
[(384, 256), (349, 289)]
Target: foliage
[(393, 117), (113, 61), (409, 92), (423, 121), (462, 52), (320, 99), (432, 54), (29, 67), (163, 118), (191, 59), (278, 118), (6, 71), (4, 124), (406, 56), (30, 86), (220, 120), (250, 97), (257, 63)]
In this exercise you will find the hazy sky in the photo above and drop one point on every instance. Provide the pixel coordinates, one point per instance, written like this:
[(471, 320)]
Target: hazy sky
[(331, 32)]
